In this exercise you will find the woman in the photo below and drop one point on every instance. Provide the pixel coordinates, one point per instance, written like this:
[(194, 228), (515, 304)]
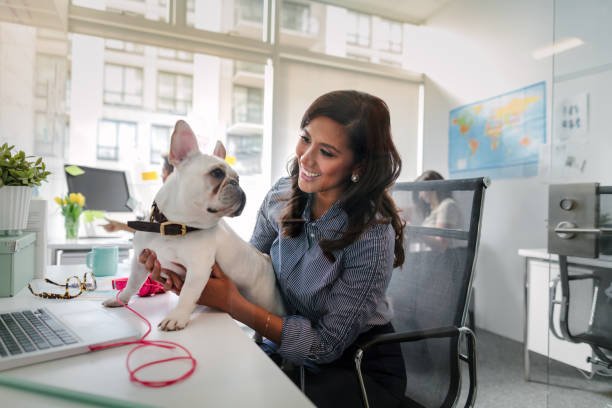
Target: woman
[(334, 237), (440, 211)]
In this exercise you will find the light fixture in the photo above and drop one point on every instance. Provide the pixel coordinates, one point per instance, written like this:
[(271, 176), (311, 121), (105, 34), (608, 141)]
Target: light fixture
[(557, 47)]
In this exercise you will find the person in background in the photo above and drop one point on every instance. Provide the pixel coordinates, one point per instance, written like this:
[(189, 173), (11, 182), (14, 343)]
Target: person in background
[(440, 210), (334, 236), (113, 225)]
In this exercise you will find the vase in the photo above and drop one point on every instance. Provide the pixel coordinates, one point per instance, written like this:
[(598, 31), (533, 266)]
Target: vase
[(14, 208), (71, 225)]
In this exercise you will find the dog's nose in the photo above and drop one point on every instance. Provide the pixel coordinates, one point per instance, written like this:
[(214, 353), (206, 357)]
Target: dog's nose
[(242, 204)]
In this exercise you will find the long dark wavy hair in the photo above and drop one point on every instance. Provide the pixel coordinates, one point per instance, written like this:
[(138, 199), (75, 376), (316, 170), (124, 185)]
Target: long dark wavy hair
[(365, 119)]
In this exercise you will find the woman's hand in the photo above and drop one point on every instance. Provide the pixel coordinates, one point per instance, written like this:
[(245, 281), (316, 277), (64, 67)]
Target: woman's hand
[(220, 292), (113, 226), (173, 282)]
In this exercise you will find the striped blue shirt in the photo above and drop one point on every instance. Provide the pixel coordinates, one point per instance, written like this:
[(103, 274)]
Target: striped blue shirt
[(329, 304)]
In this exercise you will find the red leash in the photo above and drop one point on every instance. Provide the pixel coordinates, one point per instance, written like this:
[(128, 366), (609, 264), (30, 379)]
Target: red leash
[(156, 343)]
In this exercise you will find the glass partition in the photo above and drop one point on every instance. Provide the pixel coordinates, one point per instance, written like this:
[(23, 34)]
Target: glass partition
[(580, 315)]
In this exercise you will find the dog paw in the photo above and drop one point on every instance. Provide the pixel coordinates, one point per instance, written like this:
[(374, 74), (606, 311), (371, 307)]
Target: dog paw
[(174, 321), (111, 302)]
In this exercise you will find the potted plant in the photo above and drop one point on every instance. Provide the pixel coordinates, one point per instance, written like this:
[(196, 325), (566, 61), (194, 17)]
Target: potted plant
[(18, 176)]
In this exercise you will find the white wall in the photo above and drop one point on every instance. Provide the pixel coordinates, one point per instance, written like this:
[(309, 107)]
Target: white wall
[(472, 50)]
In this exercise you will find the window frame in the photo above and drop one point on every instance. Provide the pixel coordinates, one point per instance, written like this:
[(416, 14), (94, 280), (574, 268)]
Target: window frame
[(175, 98), (155, 155), (123, 93), (117, 123)]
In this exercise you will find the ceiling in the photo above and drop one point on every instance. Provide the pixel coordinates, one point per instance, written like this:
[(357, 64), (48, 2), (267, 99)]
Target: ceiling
[(39, 13), (407, 11)]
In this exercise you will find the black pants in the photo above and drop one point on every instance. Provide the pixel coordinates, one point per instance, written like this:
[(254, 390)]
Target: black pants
[(336, 385)]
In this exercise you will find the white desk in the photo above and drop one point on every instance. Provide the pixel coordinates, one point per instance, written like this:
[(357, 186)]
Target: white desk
[(81, 246), (231, 369)]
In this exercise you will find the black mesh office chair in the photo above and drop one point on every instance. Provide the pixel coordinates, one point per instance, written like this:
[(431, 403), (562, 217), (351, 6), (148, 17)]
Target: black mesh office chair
[(584, 310), (581, 322), (431, 292)]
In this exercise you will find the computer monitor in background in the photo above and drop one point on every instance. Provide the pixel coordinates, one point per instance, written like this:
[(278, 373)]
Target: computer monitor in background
[(104, 190)]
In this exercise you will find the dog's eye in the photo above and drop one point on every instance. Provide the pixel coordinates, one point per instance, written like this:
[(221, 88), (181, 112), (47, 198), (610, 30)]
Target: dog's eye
[(217, 173)]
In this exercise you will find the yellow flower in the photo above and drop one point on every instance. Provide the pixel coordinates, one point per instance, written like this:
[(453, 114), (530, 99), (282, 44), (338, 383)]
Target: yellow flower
[(65, 202), (73, 198), (81, 198), (59, 201)]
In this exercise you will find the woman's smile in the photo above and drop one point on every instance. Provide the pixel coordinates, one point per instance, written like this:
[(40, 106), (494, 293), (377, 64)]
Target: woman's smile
[(308, 175)]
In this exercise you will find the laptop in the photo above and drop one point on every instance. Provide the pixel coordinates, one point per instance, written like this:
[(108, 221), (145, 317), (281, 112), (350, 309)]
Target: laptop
[(36, 334)]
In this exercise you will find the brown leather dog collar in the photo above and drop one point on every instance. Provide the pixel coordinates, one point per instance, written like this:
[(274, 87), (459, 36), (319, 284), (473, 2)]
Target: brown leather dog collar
[(160, 224), (167, 228)]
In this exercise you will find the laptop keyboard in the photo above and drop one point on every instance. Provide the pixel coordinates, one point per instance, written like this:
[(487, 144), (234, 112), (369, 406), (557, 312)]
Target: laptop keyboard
[(31, 330)]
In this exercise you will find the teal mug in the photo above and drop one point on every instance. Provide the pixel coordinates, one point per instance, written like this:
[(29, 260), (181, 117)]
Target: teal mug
[(103, 260)]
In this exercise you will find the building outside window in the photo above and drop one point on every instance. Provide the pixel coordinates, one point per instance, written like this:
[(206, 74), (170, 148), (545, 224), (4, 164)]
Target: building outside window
[(169, 53), (190, 17), (358, 57), (249, 10), (251, 67), (160, 142), (296, 17), (247, 105), (123, 46), (122, 85), (51, 90), (389, 34), (247, 150), (174, 92), (45, 73), (358, 30), (110, 132), (49, 134)]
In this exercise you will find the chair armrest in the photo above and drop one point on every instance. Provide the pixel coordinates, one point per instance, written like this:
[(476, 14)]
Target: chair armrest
[(401, 337)]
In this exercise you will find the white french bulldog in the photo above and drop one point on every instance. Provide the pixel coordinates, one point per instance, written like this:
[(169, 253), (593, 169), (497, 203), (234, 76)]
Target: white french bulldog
[(201, 190)]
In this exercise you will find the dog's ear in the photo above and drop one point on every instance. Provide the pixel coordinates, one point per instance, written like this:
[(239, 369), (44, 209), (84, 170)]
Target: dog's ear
[(183, 142), (219, 150)]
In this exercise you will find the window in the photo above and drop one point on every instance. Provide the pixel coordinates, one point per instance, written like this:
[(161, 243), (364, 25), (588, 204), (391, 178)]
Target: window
[(358, 57), (169, 53), (247, 150), (124, 46), (296, 17), (160, 141), (247, 105), (389, 34), (358, 29), (249, 10), (122, 85), (109, 134), (190, 17), (47, 67), (49, 134), (251, 67), (174, 92)]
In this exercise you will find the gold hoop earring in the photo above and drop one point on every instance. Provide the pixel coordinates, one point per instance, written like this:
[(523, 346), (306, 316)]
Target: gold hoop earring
[(355, 178)]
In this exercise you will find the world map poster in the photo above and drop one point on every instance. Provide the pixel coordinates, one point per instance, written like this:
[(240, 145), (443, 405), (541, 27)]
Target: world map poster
[(499, 137)]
